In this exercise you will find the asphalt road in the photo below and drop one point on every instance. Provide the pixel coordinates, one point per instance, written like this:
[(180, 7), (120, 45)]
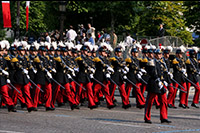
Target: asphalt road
[(100, 120)]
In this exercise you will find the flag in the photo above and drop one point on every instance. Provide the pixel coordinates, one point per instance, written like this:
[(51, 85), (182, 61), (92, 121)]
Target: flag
[(27, 9), (6, 14)]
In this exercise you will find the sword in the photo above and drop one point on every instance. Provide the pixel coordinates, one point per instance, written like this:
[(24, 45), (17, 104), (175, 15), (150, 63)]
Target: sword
[(177, 88), (132, 83), (35, 85), (100, 82), (191, 82), (78, 83), (14, 87), (114, 82)]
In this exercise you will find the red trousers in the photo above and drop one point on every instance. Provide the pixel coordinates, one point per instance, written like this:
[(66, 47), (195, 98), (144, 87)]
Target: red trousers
[(47, 95), (60, 97), (27, 95), (5, 96), (140, 100), (122, 91), (105, 90), (144, 86), (183, 95), (88, 87), (67, 92), (196, 95), (73, 88), (170, 94), (163, 105)]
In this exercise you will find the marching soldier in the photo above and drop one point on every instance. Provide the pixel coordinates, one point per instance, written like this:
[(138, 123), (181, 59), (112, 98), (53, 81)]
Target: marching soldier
[(155, 87), (118, 77), (193, 71), (21, 77), (179, 72), (84, 77), (4, 81), (43, 79), (134, 76), (102, 70)]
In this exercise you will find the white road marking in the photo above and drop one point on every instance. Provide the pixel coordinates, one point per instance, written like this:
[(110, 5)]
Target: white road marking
[(5, 131)]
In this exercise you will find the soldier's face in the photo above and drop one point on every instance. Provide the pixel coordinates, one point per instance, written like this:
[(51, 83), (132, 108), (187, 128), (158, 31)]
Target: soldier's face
[(135, 54), (103, 53), (65, 53), (5, 52), (52, 52), (35, 53), (166, 55), (1, 52), (151, 55), (94, 54), (89, 54), (159, 56), (22, 52), (119, 54), (179, 55)]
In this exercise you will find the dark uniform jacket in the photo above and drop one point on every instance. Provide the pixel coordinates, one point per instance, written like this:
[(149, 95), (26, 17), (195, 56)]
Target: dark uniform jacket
[(42, 62), (178, 64), (84, 64), (19, 63), (167, 65), (61, 70), (155, 69), (117, 64), (31, 67), (192, 69), (143, 65), (3, 66), (133, 65)]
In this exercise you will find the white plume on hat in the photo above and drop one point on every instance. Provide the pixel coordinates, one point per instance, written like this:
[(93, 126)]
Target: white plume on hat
[(37, 45), (78, 47), (122, 45), (169, 48), (61, 44), (147, 47), (182, 48), (95, 47), (15, 43), (137, 45), (152, 47), (27, 47), (7, 44), (161, 47), (41, 43), (2, 44), (110, 48), (69, 45), (89, 45), (47, 44), (103, 44), (54, 44), (23, 44), (196, 49)]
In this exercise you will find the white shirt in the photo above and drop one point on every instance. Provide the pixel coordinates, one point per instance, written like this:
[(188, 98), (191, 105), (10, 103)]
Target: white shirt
[(71, 35), (92, 31), (48, 39), (129, 40)]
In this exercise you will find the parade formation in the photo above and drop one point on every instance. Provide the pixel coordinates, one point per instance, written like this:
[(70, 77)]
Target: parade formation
[(49, 73)]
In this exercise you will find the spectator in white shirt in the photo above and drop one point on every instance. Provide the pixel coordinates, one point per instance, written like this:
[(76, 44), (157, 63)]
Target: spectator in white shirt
[(128, 39), (48, 39), (91, 30), (71, 34)]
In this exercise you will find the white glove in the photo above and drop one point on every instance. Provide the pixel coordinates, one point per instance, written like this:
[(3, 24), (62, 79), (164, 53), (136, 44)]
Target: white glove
[(199, 73), (25, 71), (185, 74), (139, 76), (171, 75), (8, 81), (140, 73), (108, 75), (126, 68), (73, 74), (28, 76), (91, 76), (92, 70), (165, 83), (183, 70), (69, 76), (124, 71), (158, 79), (110, 69), (5, 72), (49, 75), (144, 71), (70, 69), (54, 70), (124, 77), (160, 84), (35, 71), (76, 69)]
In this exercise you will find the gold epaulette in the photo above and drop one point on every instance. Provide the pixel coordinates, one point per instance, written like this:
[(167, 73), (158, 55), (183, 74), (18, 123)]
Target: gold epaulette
[(187, 61), (112, 59), (78, 58), (96, 59), (7, 58), (37, 59), (140, 59), (47, 57), (175, 61), (14, 59), (27, 58), (128, 60), (58, 59), (144, 60)]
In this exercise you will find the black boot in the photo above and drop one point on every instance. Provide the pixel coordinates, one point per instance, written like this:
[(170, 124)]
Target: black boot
[(182, 105), (23, 105), (148, 121), (11, 109), (165, 121), (49, 109), (31, 109), (194, 105)]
